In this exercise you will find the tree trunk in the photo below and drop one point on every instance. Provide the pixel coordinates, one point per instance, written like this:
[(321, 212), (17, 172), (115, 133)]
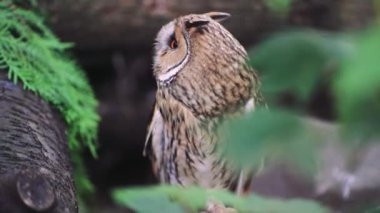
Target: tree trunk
[(127, 23), (35, 170)]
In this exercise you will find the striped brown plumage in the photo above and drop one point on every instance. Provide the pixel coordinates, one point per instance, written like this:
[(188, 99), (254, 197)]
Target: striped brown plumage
[(203, 79)]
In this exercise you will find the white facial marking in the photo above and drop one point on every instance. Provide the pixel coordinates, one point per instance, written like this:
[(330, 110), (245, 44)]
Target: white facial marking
[(173, 70), (163, 36)]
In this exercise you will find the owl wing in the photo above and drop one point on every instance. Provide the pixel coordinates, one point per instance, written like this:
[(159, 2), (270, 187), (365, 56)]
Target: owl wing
[(154, 138)]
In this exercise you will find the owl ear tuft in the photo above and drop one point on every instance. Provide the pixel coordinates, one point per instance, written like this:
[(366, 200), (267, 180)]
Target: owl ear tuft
[(218, 16), (195, 23)]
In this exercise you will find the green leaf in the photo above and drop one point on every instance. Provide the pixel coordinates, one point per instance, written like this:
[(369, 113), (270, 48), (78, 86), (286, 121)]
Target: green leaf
[(146, 200), (357, 87), (171, 199), (268, 133), (296, 61)]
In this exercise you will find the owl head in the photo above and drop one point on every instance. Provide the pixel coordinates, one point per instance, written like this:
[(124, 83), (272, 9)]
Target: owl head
[(175, 40)]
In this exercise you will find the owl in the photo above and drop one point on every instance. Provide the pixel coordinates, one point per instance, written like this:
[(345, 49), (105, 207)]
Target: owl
[(203, 79)]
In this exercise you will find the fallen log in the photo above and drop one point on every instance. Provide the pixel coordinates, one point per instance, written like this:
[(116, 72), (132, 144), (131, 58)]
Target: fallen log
[(35, 167)]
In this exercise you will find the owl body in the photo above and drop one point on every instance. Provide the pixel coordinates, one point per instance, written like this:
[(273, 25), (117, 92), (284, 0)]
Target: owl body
[(203, 79)]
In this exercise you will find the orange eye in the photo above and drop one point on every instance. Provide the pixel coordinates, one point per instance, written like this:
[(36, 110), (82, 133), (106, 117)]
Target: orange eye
[(173, 44)]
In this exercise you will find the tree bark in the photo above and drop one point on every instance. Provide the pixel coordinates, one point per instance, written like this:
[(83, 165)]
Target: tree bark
[(35, 170), (127, 23)]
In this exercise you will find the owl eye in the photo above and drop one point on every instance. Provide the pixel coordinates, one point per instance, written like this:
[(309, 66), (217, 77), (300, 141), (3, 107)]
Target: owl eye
[(173, 44)]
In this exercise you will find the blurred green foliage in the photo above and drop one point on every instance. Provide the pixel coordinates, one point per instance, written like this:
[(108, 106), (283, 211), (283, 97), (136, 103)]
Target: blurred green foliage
[(297, 61), (280, 7), (274, 131), (357, 86), (193, 199)]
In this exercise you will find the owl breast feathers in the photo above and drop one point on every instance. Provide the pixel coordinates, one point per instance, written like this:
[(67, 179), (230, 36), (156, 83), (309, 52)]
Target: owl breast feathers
[(203, 79)]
